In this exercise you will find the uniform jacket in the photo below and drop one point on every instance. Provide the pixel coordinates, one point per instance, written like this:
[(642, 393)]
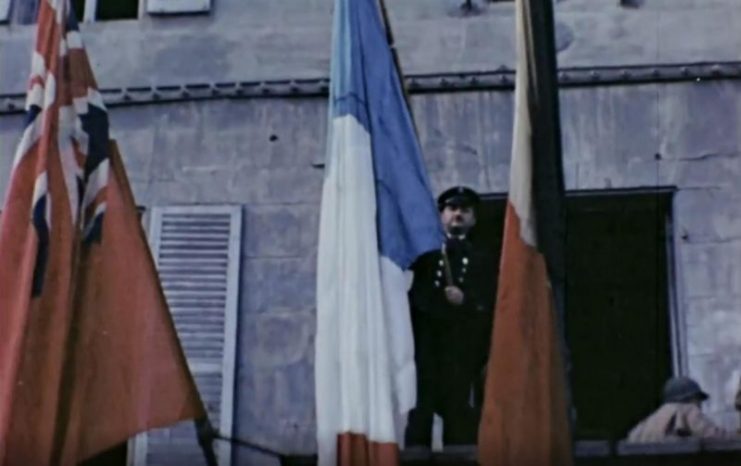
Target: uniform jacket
[(472, 271), (673, 421)]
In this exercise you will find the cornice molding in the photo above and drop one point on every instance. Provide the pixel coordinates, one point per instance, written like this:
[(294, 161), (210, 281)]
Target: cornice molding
[(501, 79)]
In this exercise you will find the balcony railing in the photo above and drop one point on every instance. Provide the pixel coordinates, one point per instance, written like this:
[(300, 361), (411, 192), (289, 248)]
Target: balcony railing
[(588, 453)]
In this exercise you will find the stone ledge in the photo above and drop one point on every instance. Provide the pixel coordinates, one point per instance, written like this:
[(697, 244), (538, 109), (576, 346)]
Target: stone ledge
[(502, 78), (593, 452)]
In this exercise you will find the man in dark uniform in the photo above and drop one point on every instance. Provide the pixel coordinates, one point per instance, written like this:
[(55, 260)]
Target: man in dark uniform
[(452, 300)]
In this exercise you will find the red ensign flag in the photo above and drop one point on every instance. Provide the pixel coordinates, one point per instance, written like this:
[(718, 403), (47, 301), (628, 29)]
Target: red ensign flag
[(88, 351)]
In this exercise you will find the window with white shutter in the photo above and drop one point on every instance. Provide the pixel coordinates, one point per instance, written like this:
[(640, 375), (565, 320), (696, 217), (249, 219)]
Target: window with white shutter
[(197, 251), (4, 11), (165, 7)]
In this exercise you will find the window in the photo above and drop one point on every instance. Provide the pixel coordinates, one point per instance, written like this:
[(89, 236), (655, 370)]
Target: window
[(105, 10), (617, 316), (617, 309), (617, 304), (25, 11), (197, 252)]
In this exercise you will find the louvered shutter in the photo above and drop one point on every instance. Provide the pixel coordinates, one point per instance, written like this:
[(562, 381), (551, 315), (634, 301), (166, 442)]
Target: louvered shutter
[(4, 11), (164, 7), (197, 251)]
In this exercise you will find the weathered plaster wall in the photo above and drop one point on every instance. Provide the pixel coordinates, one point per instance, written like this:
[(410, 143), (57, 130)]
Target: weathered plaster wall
[(259, 153), (244, 40)]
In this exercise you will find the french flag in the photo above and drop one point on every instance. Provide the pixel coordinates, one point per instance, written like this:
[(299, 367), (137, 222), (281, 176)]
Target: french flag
[(377, 216)]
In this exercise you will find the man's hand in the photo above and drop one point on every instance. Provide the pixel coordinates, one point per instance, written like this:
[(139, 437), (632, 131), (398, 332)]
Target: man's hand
[(454, 295)]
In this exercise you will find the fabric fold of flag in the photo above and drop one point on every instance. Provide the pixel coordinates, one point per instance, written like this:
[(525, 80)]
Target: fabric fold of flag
[(377, 217), (88, 351), (130, 372), (524, 420)]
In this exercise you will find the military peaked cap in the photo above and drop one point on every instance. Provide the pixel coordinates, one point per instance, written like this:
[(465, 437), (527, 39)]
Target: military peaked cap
[(458, 196)]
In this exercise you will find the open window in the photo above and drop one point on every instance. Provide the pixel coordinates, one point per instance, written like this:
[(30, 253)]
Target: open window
[(617, 303), (617, 308), (105, 10)]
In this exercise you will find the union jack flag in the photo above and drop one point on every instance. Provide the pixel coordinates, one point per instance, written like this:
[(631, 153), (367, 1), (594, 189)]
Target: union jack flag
[(66, 132)]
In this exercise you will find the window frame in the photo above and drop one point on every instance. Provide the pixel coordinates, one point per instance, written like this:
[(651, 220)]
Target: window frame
[(675, 312)]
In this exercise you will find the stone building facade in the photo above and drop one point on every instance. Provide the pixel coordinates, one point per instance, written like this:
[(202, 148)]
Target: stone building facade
[(228, 106)]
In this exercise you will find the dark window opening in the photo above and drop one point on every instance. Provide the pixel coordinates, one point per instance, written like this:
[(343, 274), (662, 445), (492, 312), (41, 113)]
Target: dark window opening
[(79, 8), (617, 304), (117, 9), (617, 309), (25, 12), (107, 10)]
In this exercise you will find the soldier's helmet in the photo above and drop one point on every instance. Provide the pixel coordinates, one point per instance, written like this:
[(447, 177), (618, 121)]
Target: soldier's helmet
[(683, 389), (461, 196)]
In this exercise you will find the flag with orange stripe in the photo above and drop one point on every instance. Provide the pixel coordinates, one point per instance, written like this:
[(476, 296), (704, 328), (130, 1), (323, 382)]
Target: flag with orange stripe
[(524, 420)]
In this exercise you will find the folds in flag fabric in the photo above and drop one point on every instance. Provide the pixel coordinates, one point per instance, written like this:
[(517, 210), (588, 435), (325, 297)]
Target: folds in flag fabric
[(88, 351), (524, 419), (377, 217)]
